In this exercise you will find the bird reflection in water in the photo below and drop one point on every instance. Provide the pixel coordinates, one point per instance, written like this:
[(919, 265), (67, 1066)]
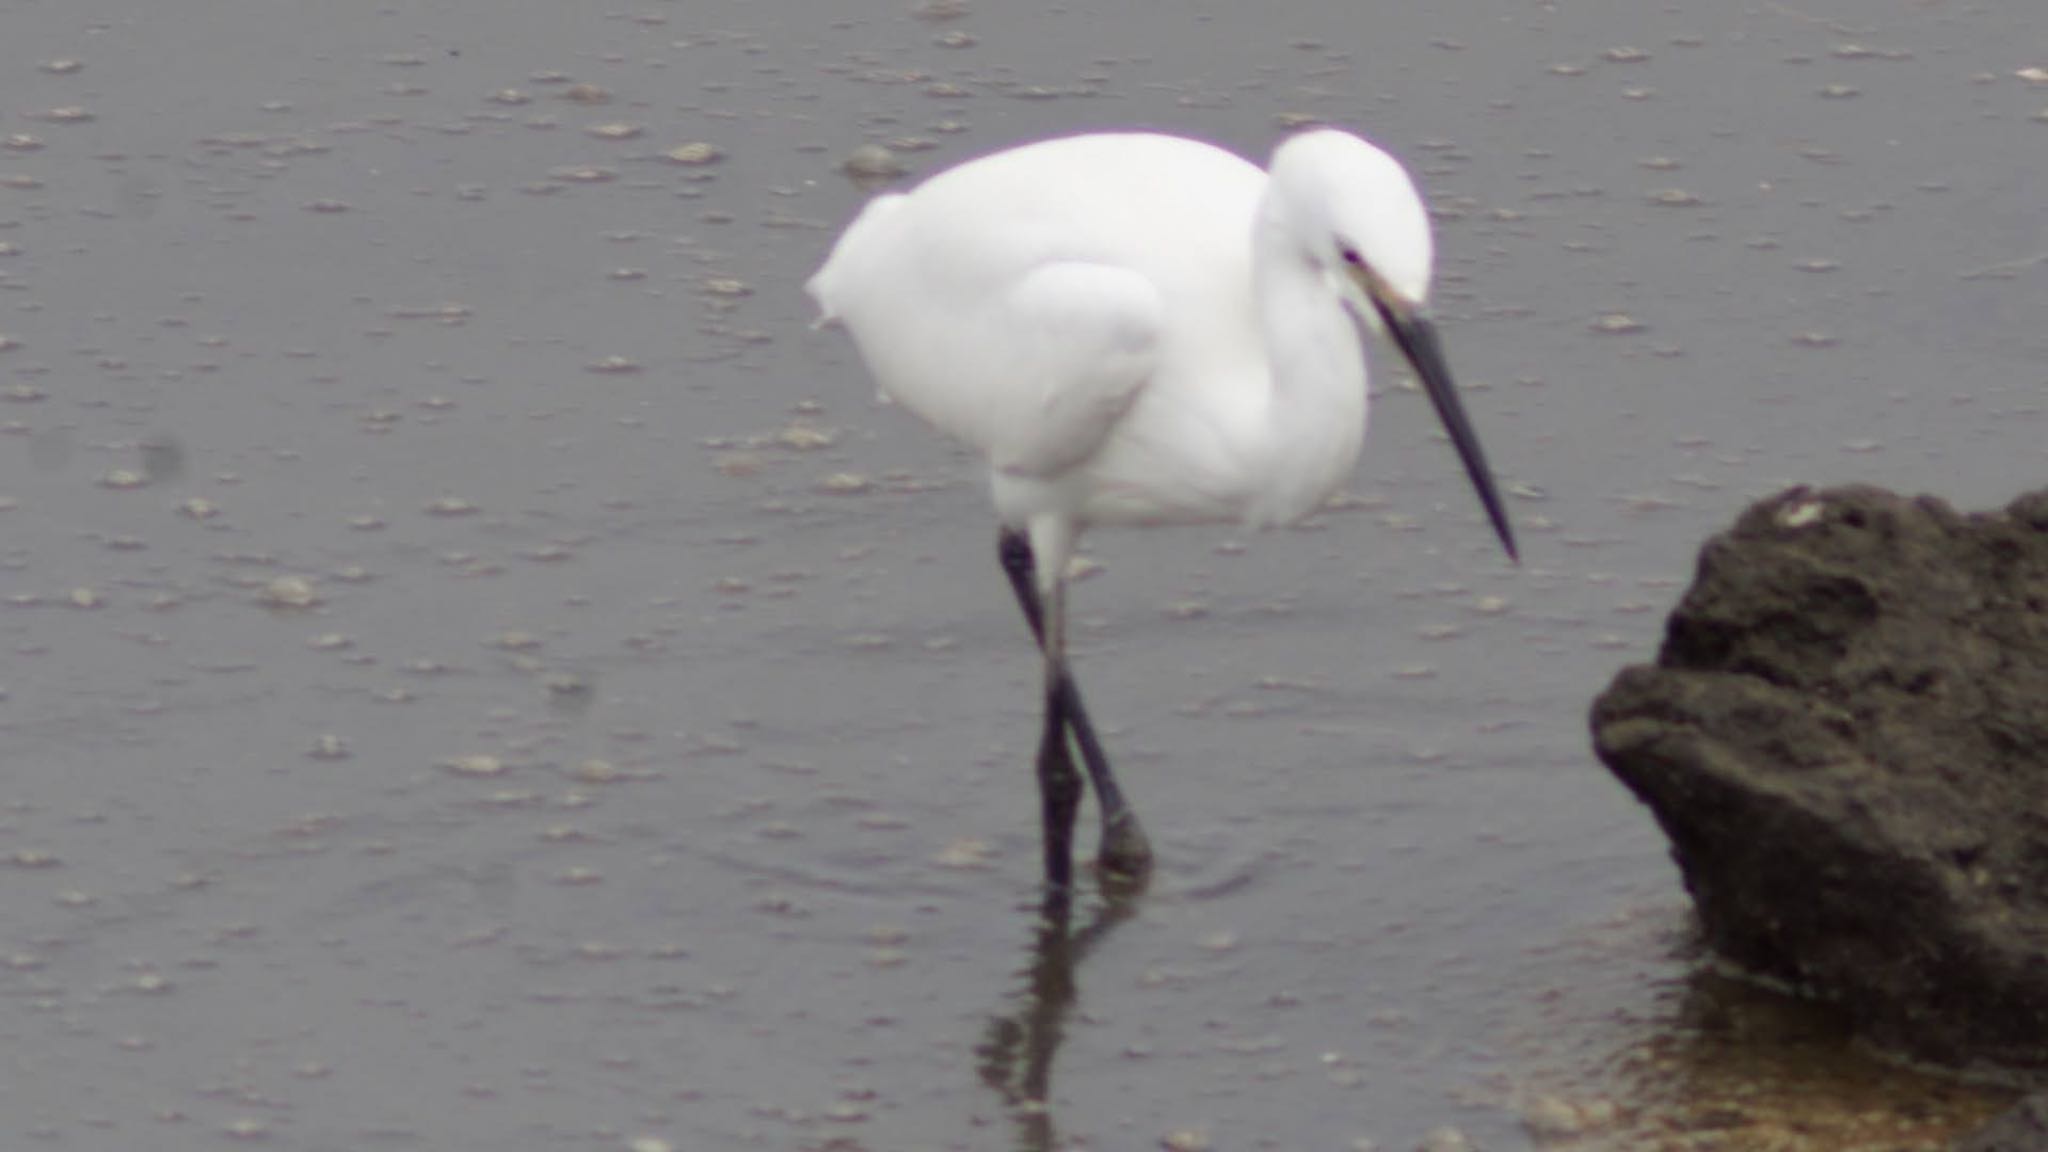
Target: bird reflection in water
[(1017, 1050)]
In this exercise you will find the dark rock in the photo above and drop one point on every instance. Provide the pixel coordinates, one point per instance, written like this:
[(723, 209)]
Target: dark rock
[(1846, 738), (2024, 1129)]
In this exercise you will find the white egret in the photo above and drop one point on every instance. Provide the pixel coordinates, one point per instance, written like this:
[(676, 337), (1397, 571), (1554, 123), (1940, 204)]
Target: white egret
[(1142, 329)]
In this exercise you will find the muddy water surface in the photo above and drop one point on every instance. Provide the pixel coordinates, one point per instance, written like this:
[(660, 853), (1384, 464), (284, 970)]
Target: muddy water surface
[(481, 674)]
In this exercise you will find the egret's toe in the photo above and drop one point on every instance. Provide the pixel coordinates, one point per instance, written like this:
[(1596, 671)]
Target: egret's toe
[(1125, 851)]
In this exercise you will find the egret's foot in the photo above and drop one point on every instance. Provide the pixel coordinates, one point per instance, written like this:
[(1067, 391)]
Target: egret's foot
[(1125, 853), (1056, 908)]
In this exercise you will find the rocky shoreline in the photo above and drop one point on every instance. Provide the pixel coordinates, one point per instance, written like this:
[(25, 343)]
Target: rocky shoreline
[(1845, 736)]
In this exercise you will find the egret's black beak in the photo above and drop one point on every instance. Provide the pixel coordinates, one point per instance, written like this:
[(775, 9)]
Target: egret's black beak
[(1416, 337)]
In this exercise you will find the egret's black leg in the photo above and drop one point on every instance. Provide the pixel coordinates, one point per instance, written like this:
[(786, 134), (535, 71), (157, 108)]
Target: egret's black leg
[(1059, 790), (1124, 851), (1013, 548)]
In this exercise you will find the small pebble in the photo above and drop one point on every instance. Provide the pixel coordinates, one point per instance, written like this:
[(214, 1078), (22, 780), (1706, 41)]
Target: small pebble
[(1549, 1118), (247, 1128), (871, 165), (845, 484), (482, 764), (290, 592), (694, 155), (1445, 1139), (964, 854)]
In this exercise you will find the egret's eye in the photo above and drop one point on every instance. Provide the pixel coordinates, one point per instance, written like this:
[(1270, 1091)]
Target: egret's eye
[(1351, 256)]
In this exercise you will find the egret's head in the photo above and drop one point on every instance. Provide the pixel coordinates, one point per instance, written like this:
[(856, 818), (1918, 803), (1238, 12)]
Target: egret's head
[(1363, 221), (1354, 213)]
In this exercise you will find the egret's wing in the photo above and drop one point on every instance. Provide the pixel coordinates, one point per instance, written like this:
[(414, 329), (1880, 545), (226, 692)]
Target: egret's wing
[(1032, 367), (1066, 351)]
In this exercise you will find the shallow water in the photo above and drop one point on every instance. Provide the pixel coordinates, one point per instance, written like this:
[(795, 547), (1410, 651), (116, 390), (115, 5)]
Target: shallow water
[(482, 674)]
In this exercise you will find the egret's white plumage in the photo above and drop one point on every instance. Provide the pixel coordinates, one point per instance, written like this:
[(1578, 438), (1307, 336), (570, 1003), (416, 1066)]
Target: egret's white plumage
[(1138, 328)]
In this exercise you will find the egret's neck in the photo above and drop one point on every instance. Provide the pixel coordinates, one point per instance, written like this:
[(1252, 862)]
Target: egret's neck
[(1315, 419)]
